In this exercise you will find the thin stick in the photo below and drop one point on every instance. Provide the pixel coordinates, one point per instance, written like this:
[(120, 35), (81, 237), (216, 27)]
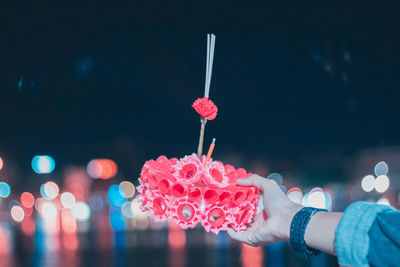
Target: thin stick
[(211, 60), (203, 121), (207, 65), (210, 150)]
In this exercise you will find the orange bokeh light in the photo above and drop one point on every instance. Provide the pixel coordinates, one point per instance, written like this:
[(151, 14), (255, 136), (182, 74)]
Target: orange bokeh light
[(1, 163), (252, 256), (102, 168), (27, 200)]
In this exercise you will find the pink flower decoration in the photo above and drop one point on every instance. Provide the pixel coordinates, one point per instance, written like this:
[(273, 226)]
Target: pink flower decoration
[(159, 206), (242, 215), (215, 219), (186, 213), (206, 108), (188, 170), (214, 174)]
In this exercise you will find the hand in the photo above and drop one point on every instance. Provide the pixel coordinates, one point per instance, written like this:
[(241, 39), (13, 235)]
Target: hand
[(280, 211)]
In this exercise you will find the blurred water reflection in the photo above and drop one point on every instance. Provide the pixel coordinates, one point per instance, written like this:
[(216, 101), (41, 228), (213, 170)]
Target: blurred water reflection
[(102, 246)]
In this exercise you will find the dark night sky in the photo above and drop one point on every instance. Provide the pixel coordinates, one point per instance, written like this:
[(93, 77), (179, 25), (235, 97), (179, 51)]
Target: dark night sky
[(293, 82)]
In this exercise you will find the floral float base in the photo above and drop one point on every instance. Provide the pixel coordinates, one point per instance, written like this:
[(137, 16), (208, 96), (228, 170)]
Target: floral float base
[(193, 190)]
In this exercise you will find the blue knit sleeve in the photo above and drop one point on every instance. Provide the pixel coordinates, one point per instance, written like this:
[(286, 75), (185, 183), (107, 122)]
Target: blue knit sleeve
[(352, 239), (384, 235)]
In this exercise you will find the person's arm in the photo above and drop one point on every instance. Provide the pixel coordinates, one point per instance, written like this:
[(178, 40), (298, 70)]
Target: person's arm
[(366, 233), (280, 210), (320, 231)]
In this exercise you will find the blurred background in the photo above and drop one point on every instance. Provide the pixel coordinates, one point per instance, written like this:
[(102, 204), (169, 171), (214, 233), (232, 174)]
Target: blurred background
[(308, 95)]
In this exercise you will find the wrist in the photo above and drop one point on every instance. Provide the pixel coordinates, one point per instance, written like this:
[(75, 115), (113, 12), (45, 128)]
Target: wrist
[(286, 220)]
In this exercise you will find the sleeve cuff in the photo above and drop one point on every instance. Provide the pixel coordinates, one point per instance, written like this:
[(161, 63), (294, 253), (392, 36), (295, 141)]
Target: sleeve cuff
[(351, 235)]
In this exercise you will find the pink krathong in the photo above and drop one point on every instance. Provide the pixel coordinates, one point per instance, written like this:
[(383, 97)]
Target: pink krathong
[(192, 190)]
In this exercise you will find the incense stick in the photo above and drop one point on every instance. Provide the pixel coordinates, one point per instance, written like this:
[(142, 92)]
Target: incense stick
[(209, 65)]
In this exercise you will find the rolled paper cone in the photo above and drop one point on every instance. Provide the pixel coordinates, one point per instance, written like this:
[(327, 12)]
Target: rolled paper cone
[(164, 185), (216, 217), (224, 196), (159, 206), (152, 181), (210, 196), (214, 175), (239, 195), (178, 190), (186, 213), (194, 193), (244, 215), (249, 194), (188, 170), (189, 212)]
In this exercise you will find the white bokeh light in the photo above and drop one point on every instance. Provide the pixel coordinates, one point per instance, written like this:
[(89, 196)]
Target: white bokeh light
[(368, 183), (67, 200), (17, 213), (81, 211), (127, 210), (49, 211), (383, 201), (315, 199), (382, 183), (295, 195)]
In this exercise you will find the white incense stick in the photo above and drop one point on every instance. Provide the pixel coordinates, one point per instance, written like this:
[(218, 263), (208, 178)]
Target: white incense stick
[(209, 62)]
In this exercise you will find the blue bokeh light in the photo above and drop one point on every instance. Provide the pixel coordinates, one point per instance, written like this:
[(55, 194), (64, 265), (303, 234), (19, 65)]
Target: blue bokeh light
[(5, 190), (116, 196), (43, 164), (117, 220)]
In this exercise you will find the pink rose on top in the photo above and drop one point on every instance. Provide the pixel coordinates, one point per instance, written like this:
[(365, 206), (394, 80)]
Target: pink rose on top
[(206, 108)]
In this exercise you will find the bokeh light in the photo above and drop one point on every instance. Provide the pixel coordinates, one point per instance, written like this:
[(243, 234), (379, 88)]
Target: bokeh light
[(116, 196), (382, 183), (137, 211), (102, 168), (67, 200), (28, 226), (383, 201), (27, 200), (43, 164), (68, 221), (49, 190), (17, 214), (315, 198), (127, 210), (368, 183), (295, 195), (277, 177), (39, 203), (128, 189), (5, 190), (117, 220), (1, 163), (48, 211), (81, 211), (381, 168)]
